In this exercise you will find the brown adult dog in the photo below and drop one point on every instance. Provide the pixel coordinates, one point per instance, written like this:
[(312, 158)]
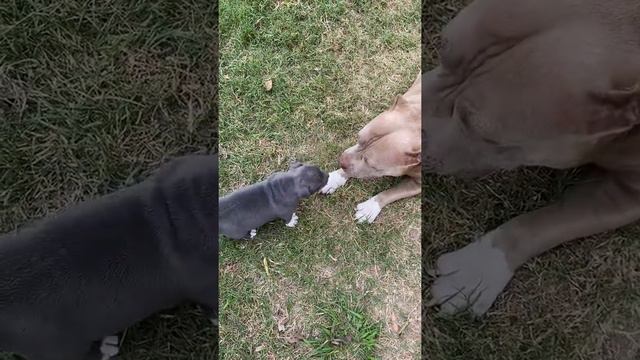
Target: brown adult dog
[(535, 83), (389, 145)]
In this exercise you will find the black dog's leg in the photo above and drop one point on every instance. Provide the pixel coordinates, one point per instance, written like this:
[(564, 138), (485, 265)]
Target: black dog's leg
[(289, 216), (105, 349), (208, 301), (250, 235)]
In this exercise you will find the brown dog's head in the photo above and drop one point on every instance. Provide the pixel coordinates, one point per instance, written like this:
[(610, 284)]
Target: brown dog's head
[(528, 88), (389, 145)]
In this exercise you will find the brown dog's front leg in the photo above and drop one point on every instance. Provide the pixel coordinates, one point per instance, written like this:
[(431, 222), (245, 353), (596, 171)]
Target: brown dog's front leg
[(368, 211), (589, 209), (471, 278)]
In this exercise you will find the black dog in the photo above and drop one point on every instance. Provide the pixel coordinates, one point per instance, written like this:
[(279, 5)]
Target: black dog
[(243, 211), (89, 272)]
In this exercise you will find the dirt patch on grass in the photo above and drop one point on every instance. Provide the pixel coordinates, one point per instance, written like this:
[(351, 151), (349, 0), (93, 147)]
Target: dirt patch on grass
[(400, 300), (290, 313)]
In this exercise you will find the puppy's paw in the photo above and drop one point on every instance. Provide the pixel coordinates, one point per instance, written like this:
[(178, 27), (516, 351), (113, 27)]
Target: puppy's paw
[(470, 278), (368, 211), (293, 222), (253, 233), (109, 347), (336, 179)]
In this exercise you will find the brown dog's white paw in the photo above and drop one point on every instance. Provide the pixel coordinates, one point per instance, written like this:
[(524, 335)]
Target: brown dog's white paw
[(470, 279), (336, 179), (368, 211)]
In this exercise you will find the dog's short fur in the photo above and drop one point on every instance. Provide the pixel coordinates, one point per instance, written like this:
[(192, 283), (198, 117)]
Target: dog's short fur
[(389, 145), (90, 271), (245, 210), (551, 83)]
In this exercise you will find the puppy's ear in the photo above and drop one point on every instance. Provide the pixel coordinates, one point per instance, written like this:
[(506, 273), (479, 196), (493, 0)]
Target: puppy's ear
[(616, 110), (294, 164)]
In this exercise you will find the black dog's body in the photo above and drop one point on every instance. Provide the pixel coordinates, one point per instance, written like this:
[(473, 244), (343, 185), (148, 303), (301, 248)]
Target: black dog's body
[(277, 197), (91, 271)]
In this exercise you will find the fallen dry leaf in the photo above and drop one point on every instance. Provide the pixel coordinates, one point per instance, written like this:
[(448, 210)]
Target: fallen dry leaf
[(395, 328), (259, 348), (293, 339), (229, 268), (268, 85), (341, 340), (281, 327)]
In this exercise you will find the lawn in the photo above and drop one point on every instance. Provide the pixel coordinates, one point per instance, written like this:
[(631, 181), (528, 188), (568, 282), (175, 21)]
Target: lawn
[(298, 79), (93, 96), (580, 301)]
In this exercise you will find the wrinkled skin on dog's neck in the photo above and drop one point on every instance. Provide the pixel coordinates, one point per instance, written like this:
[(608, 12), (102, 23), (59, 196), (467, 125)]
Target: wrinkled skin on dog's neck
[(555, 90)]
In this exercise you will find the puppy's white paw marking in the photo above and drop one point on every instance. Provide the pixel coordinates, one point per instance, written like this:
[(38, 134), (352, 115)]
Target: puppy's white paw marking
[(253, 233), (368, 211), (294, 221), (336, 179), (470, 278), (109, 347)]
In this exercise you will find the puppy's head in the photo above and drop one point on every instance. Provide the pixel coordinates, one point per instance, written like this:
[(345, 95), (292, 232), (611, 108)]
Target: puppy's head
[(308, 179), (389, 145)]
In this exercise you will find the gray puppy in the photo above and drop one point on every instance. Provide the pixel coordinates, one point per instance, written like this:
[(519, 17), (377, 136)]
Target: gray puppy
[(243, 211), (72, 279)]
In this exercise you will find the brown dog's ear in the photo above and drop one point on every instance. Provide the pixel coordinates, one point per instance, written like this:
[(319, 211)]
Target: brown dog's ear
[(398, 102), (412, 158), (617, 110)]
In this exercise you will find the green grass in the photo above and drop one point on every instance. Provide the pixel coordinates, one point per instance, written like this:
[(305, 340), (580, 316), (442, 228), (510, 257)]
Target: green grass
[(343, 325), (93, 96), (580, 301), (333, 65)]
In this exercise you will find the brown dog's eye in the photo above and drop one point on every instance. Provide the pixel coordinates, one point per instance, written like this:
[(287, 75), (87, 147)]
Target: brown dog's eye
[(463, 115)]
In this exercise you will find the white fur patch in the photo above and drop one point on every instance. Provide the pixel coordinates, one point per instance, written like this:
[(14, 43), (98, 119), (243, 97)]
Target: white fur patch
[(336, 179), (368, 211), (470, 278), (109, 347), (293, 221), (253, 233)]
